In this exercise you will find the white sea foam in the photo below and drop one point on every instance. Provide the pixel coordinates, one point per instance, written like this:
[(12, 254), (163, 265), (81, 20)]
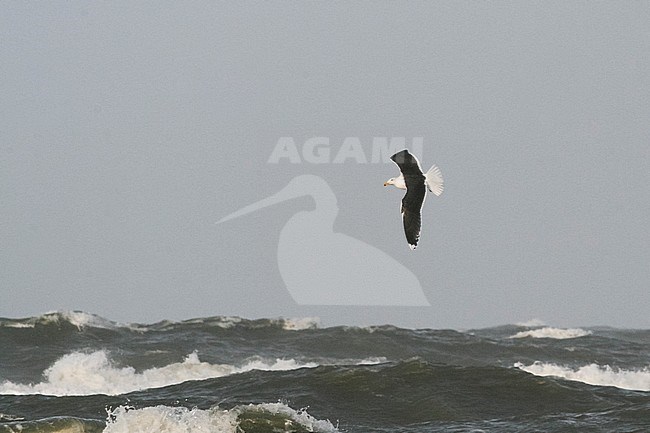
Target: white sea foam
[(593, 374), (16, 325), (228, 322), (81, 319), (300, 416), (300, 324), (182, 420), (225, 322), (94, 373), (170, 420), (555, 333)]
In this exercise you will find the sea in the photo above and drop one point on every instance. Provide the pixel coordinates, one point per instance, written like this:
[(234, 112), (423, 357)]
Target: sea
[(77, 372)]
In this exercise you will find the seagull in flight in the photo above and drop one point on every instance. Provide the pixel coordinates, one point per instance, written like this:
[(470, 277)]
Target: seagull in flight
[(416, 183)]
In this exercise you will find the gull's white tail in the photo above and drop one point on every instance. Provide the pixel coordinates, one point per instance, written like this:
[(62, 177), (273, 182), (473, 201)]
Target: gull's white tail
[(434, 181)]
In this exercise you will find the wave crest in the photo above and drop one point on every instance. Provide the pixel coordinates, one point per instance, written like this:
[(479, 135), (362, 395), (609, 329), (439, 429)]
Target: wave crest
[(271, 416), (232, 322), (554, 333), (593, 374), (94, 373), (66, 319), (81, 373), (80, 320)]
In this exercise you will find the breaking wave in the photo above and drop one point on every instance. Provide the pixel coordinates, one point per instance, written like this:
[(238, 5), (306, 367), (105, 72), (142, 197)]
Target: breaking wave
[(94, 373), (76, 319), (250, 418), (556, 333), (593, 374), (267, 417)]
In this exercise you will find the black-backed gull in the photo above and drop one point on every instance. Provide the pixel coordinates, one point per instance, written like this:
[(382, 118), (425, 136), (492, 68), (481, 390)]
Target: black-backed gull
[(416, 184)]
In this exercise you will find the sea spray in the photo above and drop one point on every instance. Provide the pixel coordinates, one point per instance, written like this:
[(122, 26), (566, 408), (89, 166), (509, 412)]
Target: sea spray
[(556, 333)]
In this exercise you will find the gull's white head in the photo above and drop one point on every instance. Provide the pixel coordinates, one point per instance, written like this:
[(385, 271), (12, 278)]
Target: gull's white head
[(398, 182)]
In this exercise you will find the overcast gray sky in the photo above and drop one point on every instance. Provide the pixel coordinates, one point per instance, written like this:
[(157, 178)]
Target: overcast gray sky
[(127, 129)]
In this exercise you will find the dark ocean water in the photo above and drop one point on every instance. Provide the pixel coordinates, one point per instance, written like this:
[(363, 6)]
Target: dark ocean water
[(75, 372)]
